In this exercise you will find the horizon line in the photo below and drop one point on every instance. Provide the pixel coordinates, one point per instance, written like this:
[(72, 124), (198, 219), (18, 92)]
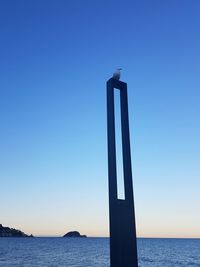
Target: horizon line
[(139, 237)]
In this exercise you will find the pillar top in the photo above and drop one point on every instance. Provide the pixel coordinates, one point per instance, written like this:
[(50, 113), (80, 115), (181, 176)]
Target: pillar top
[(116, 83)]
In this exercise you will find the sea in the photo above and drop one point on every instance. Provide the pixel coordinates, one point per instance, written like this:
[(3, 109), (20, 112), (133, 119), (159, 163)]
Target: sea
[(94, 252)]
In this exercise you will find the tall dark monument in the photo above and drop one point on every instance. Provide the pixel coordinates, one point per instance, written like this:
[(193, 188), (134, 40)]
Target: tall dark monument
[(123, 246)]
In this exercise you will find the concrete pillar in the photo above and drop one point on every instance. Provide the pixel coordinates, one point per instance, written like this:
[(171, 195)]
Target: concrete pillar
[(123, 246)]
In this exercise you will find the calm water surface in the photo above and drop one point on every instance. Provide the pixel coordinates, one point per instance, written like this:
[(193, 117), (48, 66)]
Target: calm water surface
[(94, 252)]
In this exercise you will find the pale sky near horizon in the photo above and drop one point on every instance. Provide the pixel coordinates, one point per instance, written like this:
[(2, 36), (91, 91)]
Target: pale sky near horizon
[(55, 58)]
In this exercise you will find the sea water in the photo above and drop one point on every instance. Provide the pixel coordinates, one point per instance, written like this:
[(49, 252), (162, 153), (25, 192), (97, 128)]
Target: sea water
[(94, 252)]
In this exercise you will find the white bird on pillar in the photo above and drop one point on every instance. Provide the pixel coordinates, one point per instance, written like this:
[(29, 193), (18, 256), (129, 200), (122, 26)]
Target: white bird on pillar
[(117, 74)]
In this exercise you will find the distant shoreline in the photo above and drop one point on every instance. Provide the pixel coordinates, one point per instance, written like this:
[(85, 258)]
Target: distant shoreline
[(14, 233)]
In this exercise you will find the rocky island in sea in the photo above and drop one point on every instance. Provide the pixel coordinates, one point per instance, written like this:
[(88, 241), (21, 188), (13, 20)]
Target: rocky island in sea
[(11, 232), (74, 234)]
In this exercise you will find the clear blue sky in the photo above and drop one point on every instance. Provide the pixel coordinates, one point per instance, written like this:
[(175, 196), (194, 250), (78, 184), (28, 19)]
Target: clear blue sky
[(55, 57)]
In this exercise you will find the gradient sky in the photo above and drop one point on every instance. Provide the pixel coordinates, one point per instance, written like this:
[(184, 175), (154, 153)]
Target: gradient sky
[(55, 58)]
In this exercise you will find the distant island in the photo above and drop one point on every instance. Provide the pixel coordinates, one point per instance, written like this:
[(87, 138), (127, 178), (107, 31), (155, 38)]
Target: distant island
[(74, 234), (11, 232)]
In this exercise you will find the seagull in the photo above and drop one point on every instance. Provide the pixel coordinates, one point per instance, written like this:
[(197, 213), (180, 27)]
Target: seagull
[(117, 74)]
